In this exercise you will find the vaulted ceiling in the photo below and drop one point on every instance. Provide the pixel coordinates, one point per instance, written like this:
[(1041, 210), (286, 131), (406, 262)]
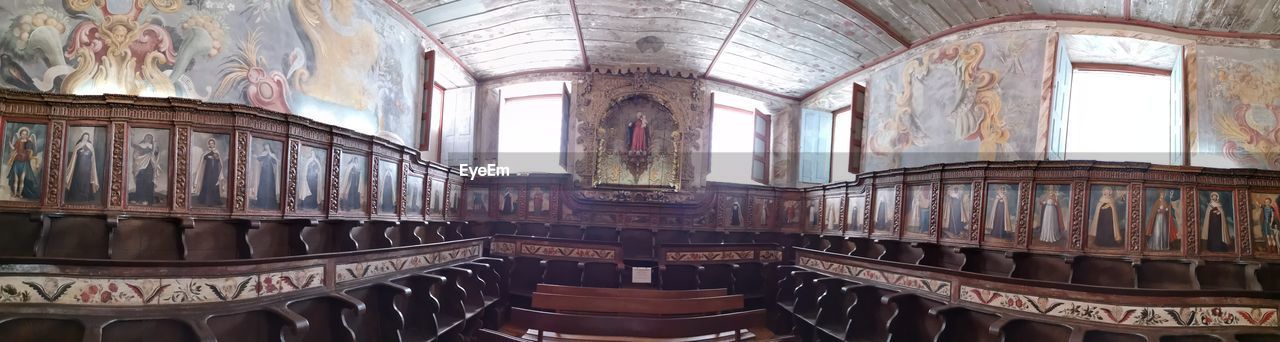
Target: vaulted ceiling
[(786, 47)]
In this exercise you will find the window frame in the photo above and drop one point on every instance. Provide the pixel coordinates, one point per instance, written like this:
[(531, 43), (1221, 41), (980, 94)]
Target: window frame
[(428, 84), (440, 125), (1120, 69), (559, 95), (763, 156)]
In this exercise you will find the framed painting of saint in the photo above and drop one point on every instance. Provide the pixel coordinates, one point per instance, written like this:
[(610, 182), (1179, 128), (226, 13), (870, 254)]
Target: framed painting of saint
[(85, 165), (640, 145), (1001, 217), (1051, 207), (1108, 216), (388, 187), (147, 167), (539, 201), (24, 158), (208, 168), (413, 195), (882, 211), (263, 174), (313, 180), (917, 210), (353, 183), (1217, 222), (1162, 220), (956, 211), (477, 202), (853, 217)]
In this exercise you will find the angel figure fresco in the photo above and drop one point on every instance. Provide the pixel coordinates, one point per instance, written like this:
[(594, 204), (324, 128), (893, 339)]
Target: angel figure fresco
[(23, 177)]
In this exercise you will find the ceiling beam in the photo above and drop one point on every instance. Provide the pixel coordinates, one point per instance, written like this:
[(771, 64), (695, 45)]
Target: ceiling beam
[(577, 27), (737, 25), (409, 16), (880, 23)]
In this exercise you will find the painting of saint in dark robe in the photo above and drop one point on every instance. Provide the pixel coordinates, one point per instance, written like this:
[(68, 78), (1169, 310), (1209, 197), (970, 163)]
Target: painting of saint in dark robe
[(1107, 215), (1163, 229), (148, 165), (455, 197), (539, 201), (312, 182), (353, 183), (24, 159), (436, 203), (1266, 221), (208, 169), (413, 195), (735, 212), (263, 174), (1217, 222), (883, 210), (1051, 208), (388, 187), (955, 210), (508, 197), (853, 214), (478, 205), (85, 172), (1002, 212), (917, 214)]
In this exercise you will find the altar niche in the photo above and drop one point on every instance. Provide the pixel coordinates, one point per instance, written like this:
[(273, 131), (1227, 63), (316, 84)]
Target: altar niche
[(638, 144)]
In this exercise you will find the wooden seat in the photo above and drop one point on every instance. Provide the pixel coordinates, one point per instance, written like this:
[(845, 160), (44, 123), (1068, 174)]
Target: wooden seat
[(667, 328), (628, 293), (637, 306)]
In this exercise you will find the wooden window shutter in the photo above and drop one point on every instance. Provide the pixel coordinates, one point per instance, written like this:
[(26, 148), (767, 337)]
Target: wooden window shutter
[(760, 148)]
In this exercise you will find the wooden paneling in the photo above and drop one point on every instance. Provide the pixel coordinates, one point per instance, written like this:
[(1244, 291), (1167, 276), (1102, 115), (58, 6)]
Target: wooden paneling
[(502, 37)]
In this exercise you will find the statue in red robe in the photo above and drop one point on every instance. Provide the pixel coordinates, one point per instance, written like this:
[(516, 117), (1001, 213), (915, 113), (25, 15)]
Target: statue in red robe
[(638, 135)]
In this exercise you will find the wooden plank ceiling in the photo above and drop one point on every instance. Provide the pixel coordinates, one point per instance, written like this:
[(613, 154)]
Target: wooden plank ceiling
[(786, 47)]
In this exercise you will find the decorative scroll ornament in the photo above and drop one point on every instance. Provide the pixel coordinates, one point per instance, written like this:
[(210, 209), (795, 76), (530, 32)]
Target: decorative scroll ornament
[(975, 211), (116, 197), (1024, 211), (180, 173), (291, 197), (56, 139)]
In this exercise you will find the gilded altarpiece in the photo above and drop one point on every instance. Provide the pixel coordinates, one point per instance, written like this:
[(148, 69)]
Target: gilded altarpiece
[(636, 130)]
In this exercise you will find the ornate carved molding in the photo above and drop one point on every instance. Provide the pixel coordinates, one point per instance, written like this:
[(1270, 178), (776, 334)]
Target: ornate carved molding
[(291, 178), (115, 198), (242, 162), (57, 137), (975, 211), (180, 188)]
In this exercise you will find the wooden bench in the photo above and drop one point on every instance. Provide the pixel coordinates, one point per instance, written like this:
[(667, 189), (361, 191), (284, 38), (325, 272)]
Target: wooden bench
[(564, 324), (637, 306), (627, 293)]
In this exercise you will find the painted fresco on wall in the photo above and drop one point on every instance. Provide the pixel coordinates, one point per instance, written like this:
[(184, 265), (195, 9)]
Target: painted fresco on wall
[(853, 212), (148, 166), (639, 145), (353, 183), (1162, 228), (86, 160), (1237, 108), (974, 99), (208, 169), (312, 180), (388, 187), (882, 211), (263, 187), (1108, 216), (956, 206), (1001, 212), (1052, 205), (833, 216), (478, 202), (24, 157), (539, 201), (1265, 216), (413, 195), (917, 209), (1217, 222), (352, 63)]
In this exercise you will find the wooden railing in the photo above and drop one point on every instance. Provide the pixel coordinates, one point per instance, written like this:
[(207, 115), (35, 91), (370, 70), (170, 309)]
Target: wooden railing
[(827, 295), (424, 291)]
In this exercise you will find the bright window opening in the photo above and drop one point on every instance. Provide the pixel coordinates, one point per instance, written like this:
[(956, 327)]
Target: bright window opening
[(840, 136), (739, 141), (1119, 116), (529, 122)]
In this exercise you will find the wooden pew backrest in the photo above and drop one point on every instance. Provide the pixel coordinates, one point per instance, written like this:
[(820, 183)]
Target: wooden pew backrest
[(637, 306), (628, 293), (633, 326)]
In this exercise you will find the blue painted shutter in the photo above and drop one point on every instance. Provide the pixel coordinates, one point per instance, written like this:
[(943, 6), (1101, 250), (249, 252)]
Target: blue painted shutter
[(815, 146), (1061, 101)]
